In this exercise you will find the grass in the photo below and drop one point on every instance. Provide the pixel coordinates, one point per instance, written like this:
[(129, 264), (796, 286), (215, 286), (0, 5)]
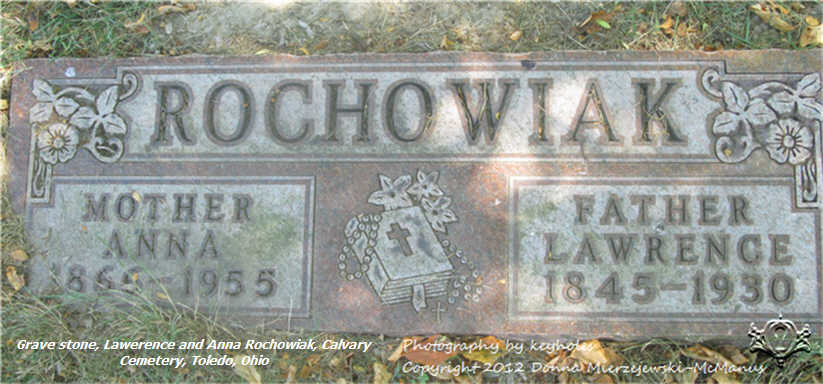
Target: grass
[(103, 29)]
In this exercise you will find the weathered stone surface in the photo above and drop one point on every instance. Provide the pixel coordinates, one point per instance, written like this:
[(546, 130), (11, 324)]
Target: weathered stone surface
[(570, 194)]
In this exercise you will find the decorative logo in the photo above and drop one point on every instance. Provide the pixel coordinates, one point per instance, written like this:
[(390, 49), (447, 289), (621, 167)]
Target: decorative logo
[(782, 118), (780, 339), (402, 250), (65, 120)]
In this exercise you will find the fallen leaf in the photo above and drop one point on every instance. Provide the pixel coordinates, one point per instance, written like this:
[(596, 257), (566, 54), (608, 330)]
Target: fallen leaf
[(721, 377), (732, 353), (685, 377), (771, 17), (681, 30), (17, 281), (699, 352), (597, 20), (812, 36), (304, 50), (667, 25), (474, 379), (19, 255), (189, 6), (71, 3), (305, 371), (487, 356), (778, 7), (33, 20), (445, 43), (162, 295), (381, 374), (321, 45), (247, 372), (427, 357), (677, 8), (167, 9), (592, 351), (812, 21), (4, 104), (398, 352), (291, 375), (516, 35)]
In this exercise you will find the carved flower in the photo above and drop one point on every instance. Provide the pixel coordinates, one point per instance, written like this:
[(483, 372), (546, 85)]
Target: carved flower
[(111, 122), (438, 214), (802, 98), (788, 140), (426, 185), (58, 143), (393, 194), (740, 109)]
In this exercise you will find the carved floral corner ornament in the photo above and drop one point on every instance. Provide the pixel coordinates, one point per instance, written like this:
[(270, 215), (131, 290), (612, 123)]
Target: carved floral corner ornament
[(768, 339), (782, 118), (65, 120)]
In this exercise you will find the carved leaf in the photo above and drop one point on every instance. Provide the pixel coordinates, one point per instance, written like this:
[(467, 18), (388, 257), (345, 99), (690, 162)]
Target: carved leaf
[(782, 102), (725, 123), (40, 112), (809, 109), (65, 106), (42, 91), (759, 113), (83, 118), (107, 100), (809, 85), (735, 97), (113, 124)]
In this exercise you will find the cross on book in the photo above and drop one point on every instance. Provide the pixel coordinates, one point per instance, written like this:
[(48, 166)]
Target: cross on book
[(400, 235)]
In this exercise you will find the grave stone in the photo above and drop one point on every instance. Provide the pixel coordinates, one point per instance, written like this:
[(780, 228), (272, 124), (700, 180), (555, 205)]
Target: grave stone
[(561, 194)]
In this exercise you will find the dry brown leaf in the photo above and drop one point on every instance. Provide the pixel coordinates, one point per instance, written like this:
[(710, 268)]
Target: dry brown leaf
[(167, 9), (291, 375), (422, 356), (138, 26), (592, 351), (812, 36), (677, 8), (445, 43), (812, 21), (17, 281), (398, 352), (685, 377), (778, 7), (33, 20), (304, 50), (596, 20), (475, 379), (516, 35), (305, 371), (19, 254), (721, 377), (4, 104), (732, 353), (681, 30), (667, 25), (699, 352), (486, 355), (247, 372), (381, 374), (771, 17), (321, 45)]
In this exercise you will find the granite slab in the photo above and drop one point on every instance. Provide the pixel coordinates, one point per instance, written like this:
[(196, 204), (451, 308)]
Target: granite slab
[(573, 194)]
